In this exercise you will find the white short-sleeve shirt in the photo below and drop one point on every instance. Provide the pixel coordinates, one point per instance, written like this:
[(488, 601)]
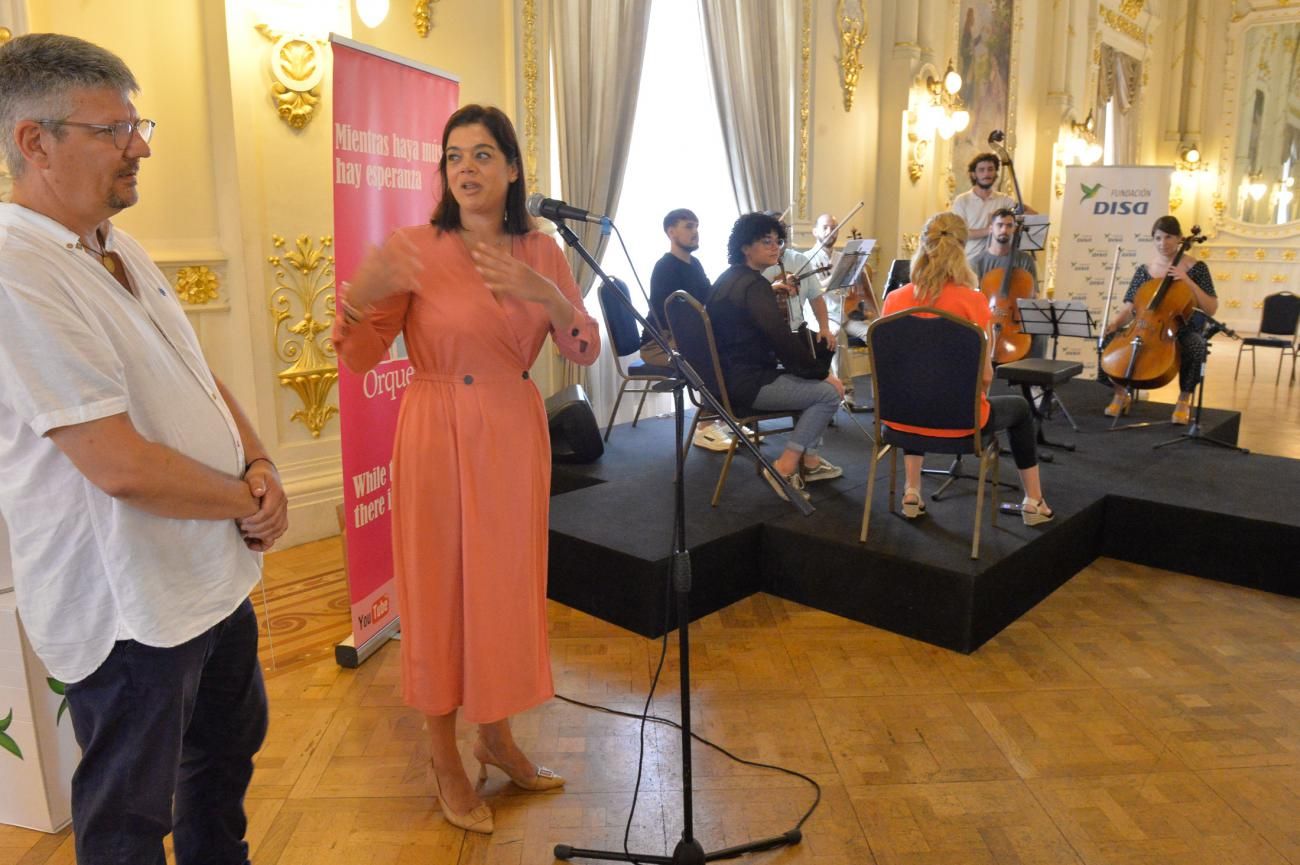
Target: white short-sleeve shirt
[(76, 347), (978, 213)]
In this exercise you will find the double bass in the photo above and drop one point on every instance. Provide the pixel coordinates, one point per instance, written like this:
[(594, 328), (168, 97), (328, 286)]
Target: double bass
[(1003, 286), (1145, 352)]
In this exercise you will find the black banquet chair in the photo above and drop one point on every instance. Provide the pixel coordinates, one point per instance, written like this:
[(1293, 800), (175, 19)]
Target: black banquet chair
[(636, 377), (1278, 325), (689, 322), (928, 372)]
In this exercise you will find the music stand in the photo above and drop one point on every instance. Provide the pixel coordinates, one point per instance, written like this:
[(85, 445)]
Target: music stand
[(1042, 317), (849, 266), (1033, 232)]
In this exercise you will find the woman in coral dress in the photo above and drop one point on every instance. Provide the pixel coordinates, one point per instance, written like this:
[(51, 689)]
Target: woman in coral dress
[(476, 293)]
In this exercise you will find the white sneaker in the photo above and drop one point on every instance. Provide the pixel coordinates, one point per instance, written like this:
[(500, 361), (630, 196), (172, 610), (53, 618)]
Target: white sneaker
[(794, 480), (713, 437)]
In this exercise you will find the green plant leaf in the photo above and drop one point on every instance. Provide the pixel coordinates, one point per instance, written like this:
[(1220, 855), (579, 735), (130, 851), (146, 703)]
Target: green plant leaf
[(4, 725), (63, 707), (10, 745), (55, 685)]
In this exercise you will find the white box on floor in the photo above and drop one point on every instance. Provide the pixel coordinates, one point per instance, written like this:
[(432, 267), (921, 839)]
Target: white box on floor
[(37, 786)]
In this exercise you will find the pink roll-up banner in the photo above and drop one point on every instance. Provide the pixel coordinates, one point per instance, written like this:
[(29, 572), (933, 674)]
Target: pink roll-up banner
[(388, 118)]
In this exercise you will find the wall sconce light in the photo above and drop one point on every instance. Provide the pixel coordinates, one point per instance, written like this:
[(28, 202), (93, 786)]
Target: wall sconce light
[(1079, 145), (372, 12), (945, 113), (1189, 159)]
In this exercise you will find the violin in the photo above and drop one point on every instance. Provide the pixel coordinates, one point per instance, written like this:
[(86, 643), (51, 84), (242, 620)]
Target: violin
[(1145, 352), (784, 290)]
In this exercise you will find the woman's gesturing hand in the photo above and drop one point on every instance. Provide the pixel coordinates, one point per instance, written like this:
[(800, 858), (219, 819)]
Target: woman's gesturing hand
[(395, 268), (507, 275)]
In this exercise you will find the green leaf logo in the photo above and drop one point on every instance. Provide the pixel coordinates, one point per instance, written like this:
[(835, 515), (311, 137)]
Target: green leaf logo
[(6, 741), (58, 687)]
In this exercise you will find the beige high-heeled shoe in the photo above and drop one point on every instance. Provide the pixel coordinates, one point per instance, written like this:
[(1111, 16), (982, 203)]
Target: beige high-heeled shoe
[(477, 820), (545, 779)]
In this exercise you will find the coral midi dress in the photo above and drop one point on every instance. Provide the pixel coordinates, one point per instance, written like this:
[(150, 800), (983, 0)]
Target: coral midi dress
[(471, 475)]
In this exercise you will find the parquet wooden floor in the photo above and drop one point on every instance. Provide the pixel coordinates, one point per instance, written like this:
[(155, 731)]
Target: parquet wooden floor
[(1135, 717)]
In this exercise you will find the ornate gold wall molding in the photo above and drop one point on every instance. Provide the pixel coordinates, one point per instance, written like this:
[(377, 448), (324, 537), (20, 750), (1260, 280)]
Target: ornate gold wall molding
[(1131, 8), (297, 69), (1124, 25), (422, 15), (197, 285), (852, 29), (805, 101), (304, 287), (529, 15), (5, 35)]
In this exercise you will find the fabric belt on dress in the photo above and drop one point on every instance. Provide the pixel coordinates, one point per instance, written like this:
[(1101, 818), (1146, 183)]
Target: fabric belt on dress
[(467, 378)]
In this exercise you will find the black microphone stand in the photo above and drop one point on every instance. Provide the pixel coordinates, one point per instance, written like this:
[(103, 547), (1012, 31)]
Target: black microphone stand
[(689, 851), (1194, 433)]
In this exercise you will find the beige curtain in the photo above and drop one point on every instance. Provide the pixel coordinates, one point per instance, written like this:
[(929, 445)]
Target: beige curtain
[(751, 50), (597, 49), (1120, 77)]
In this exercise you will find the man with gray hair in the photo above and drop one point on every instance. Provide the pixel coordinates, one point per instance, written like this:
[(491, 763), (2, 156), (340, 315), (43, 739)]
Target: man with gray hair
[(137, 495)]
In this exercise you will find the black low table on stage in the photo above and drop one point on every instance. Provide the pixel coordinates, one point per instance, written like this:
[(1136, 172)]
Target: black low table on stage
[(1209, 513)]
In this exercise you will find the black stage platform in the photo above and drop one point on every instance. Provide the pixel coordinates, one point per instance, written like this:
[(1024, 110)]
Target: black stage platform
[(1191, 508)]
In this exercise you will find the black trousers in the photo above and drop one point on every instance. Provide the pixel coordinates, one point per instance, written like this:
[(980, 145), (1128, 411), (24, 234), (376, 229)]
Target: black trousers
[(167, 739), (1011, 413)]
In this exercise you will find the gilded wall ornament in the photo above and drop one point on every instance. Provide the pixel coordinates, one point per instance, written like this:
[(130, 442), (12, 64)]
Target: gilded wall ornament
[(1288, 255), (304, 289), (1131, 8), (805, 102), (851, 24), (5, 35), (422, 14), (530, 92), (910, 242), (297, 71), (1123, 25), (196, 285)]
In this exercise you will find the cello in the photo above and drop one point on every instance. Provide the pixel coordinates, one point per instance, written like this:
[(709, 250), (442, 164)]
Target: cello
[(1003, 286), (1145, 353)]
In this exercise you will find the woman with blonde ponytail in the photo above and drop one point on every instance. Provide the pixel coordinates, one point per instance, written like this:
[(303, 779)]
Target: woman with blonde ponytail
[(942, 278)]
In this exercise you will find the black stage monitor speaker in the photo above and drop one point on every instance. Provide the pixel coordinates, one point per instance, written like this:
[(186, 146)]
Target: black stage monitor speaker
[(575, 435), (899, 274)]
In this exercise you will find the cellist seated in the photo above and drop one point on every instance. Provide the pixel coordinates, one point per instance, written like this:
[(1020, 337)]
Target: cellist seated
[(993, 259), (1167, 237)]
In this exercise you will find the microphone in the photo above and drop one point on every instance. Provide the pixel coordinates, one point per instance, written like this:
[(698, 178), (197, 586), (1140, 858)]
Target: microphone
[(556, 210)]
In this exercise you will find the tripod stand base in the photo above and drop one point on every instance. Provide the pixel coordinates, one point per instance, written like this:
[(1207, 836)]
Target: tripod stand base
[(686, 853), (1194, 435)]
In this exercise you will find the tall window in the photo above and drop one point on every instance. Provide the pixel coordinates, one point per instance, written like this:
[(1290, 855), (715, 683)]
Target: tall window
[(677, 158)]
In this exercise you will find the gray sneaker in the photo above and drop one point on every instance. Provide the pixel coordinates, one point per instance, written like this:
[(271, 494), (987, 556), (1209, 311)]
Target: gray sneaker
[(714, 437), (823, 472)]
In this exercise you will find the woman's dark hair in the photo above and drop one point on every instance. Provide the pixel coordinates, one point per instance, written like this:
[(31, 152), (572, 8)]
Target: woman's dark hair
[(749, 228), (1169, 225), (447, 214)]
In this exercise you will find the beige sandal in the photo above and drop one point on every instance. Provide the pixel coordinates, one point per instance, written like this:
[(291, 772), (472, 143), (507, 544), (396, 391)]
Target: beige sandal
[(914, 508), (1035, 512)]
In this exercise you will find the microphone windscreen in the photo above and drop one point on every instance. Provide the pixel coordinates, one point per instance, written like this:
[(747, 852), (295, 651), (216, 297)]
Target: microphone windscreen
[(534, 206)]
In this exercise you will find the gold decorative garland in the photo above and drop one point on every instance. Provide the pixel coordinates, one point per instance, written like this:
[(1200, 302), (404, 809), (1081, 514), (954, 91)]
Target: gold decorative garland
[(312, 370), (852, 31), (805, 102), (422, 13), (1124, 25), (530, 92)]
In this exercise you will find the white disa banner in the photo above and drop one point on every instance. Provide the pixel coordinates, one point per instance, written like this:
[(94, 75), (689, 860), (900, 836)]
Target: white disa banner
[(1105, 208)]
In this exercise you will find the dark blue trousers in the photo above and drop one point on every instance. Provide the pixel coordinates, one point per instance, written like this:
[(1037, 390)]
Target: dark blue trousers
[(167, 741)]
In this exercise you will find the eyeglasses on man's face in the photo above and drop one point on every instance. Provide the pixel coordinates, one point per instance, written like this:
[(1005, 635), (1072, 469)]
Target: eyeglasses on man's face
[(121, 131)]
